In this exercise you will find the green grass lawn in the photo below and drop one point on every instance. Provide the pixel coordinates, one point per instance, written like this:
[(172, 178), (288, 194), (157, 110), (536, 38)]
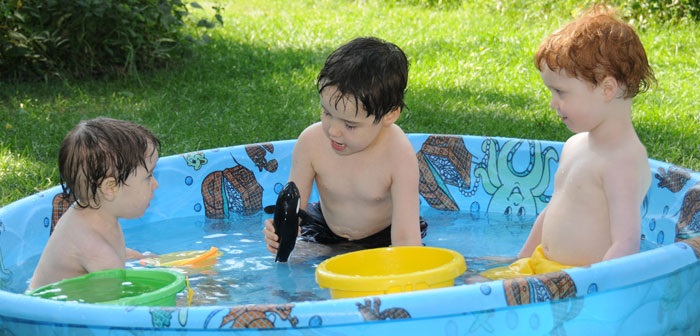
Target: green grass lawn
[(471, 73)]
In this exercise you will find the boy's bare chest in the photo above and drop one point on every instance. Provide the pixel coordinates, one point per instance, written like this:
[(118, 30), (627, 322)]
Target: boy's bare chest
[(353, 179), (578, 174)]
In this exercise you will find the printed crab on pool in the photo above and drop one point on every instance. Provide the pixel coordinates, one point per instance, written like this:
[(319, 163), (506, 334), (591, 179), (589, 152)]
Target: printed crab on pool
[(652, 292)]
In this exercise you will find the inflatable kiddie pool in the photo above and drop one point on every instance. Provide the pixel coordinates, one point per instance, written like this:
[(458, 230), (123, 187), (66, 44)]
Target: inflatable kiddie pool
[(653, 292)]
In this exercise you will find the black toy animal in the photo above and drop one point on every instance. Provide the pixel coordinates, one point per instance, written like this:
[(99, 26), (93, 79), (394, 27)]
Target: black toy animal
[(287, 220)]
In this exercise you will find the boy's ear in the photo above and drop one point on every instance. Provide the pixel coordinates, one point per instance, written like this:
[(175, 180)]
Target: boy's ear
[(109, 188), (391, 117), (611, 88)]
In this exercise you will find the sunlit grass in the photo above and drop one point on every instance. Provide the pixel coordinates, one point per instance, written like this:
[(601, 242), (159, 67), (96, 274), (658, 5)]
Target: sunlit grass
[(471, 73), (19, 172)]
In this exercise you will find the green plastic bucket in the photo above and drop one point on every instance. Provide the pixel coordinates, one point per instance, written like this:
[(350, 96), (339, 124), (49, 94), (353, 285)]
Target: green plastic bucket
[(126, 287)]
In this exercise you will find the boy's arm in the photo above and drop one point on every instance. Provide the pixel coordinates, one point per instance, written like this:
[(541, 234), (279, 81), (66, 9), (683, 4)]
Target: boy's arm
[(534, 238), (302, 174), (99, 255), (405, 228), (625, 188), (302, 171), (133, 254)]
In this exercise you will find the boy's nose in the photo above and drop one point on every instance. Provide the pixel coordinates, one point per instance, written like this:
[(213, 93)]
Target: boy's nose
[(334, 129)]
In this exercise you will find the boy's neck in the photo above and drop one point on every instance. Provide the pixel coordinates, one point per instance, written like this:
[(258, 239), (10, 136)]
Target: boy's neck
[(618, 130), (99, 219), (618, 125)]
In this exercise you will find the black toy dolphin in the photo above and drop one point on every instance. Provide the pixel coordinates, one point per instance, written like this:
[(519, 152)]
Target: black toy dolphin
[(287, 220)]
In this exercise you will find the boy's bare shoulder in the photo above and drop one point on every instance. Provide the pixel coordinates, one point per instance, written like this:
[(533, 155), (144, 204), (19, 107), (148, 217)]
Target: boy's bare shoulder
[(309, 139), (394, 144), (400, 149), (398, 137), (572, 144), (630, 157), (311, 133), (576, 138)]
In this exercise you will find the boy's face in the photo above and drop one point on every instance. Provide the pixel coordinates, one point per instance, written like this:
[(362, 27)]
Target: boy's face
[(136, 193), (346, 123), (577, 102)]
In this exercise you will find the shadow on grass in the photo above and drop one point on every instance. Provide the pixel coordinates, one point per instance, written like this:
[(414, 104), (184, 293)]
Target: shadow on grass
[(491, 113)]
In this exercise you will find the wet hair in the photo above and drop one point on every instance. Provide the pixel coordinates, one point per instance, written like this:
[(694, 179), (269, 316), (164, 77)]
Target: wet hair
[(99, 148), (595, 46), (371, 70)]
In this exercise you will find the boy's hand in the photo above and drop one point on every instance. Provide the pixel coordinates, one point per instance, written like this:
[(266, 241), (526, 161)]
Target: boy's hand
[(133, 254), (271, 239)]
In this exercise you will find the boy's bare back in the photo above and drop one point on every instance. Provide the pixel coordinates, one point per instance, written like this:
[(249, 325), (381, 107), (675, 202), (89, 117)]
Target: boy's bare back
[(80, 244)]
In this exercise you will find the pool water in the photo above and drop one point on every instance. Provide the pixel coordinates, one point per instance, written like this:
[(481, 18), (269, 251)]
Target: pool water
[(246, 273)]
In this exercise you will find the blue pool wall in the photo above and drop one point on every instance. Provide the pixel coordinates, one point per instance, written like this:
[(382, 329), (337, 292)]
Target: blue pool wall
[(652, 292)]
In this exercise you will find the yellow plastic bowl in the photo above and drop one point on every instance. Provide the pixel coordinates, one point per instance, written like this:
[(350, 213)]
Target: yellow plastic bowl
[(389, 270)]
